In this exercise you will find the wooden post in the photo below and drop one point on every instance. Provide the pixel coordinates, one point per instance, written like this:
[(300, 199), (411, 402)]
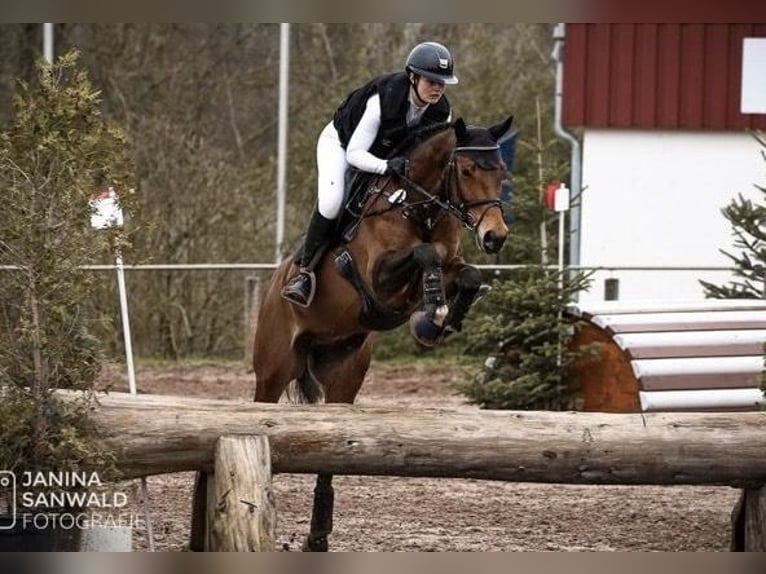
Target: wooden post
[(241, 513), (199, 512), (749, 521), (252, 304)]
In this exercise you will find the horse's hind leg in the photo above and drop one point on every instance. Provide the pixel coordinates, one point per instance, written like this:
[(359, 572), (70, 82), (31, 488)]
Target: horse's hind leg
[(275, 362), (271, 380), (321, 515), (343, 369), (277, 357), (269, 385)]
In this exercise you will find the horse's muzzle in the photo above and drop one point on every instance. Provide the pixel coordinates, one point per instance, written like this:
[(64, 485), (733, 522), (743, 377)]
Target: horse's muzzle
[(491, 242)]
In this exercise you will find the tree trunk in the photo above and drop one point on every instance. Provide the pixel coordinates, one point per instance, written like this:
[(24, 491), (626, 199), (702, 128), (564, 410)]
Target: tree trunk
[(41, 382)]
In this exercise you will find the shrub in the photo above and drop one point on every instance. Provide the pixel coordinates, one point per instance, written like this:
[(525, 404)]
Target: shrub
[(520, 329), (56, 153)]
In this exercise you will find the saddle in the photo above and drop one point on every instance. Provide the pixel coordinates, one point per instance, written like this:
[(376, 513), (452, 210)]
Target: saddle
[(358, 183), (374, 314)]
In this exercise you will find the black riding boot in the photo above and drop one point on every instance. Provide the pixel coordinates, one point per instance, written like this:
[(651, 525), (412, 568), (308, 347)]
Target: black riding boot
[(299, 290)]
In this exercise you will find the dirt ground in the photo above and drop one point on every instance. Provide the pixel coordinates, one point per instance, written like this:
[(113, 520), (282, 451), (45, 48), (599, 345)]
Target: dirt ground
[(416, 514)]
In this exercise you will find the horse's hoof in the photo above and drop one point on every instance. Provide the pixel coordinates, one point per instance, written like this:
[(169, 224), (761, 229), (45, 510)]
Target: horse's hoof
[(483, 290), (315, 544), (425, 332)]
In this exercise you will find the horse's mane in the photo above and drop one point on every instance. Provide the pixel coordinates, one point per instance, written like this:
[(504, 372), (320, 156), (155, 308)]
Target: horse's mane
[(419, 135)]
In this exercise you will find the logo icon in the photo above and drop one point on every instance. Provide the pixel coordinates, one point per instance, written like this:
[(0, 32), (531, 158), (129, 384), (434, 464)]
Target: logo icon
[(7, 500)]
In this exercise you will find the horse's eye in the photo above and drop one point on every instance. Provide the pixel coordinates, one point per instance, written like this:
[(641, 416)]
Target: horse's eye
[(466, 171)]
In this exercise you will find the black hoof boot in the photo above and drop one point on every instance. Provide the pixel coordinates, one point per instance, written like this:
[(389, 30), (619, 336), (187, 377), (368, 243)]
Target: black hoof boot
[(425, 332), (315, 544)]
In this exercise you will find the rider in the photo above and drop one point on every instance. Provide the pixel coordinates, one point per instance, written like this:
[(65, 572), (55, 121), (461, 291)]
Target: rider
[(367, 126)]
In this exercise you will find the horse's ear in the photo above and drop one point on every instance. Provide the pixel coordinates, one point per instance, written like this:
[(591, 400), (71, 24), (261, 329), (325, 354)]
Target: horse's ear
[(460, 130), (498, 130)]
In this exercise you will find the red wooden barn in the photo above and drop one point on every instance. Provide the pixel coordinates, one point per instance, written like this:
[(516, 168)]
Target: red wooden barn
[(662, 115)]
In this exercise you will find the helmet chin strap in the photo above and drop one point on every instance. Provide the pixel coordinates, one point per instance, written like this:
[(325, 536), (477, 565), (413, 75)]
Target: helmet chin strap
[(414, 84)]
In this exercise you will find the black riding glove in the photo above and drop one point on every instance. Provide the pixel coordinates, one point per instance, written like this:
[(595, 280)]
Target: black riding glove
[(396, 165)]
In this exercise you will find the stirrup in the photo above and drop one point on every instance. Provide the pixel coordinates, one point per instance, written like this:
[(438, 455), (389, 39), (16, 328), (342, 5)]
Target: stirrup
[(312, 289)]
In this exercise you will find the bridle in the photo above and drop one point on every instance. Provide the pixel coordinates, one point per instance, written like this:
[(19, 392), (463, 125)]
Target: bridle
[(457, 208), (464, 205)]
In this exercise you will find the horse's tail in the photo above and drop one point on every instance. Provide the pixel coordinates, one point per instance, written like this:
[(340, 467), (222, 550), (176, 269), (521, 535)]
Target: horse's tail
[(309, 388), (306, 388), (325, 362)]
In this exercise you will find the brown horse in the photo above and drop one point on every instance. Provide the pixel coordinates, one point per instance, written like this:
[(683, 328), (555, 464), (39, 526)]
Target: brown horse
[(399, 261)]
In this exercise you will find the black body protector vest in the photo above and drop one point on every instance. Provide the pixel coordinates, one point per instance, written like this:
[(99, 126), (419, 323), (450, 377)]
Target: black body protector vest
[(393, 90)]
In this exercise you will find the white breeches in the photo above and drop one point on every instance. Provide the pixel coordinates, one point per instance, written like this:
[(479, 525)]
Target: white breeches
[(331, 172)]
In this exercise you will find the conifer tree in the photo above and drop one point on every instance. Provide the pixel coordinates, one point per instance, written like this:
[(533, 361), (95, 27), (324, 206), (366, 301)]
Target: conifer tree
[(521, 332), (748, 223), (56, 153)]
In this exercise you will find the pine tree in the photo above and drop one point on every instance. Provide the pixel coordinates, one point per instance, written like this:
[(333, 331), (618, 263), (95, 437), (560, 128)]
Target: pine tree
[(521, 331), (748, 222)]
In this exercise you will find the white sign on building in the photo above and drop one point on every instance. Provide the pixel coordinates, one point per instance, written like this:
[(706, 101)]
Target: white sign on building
[(753, 76)]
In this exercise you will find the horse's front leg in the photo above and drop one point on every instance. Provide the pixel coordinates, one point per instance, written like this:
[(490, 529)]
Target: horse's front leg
[(426, 326), (469, 287), (463, 287)]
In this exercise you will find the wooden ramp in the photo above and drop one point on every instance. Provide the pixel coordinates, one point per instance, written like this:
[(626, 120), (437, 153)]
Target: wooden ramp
[(672, 355)]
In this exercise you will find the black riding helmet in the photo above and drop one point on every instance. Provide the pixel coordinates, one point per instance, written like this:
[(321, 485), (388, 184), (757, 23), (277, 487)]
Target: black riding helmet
[(431, 60)]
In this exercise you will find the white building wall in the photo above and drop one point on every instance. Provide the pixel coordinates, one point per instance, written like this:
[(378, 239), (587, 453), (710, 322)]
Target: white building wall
[(655, 199)]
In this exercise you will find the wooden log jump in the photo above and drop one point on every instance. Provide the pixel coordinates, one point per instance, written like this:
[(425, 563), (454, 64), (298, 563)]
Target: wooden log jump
[(154, 434), (160, 434)]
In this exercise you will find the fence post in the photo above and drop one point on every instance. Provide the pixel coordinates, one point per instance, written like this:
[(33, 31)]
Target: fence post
[(241, 514), (748, 519), (252, 304)]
